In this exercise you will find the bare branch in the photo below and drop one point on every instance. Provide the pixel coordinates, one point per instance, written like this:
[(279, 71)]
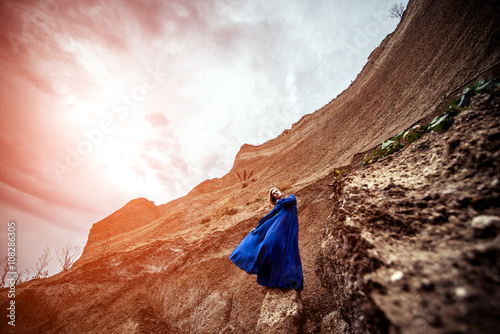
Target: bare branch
[(41, 264), (396, 11), (21, 274), (67, 256), (4, 269)]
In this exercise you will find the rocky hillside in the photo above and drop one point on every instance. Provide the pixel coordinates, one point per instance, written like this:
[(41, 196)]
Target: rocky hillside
[(406, 245), (411, 243)]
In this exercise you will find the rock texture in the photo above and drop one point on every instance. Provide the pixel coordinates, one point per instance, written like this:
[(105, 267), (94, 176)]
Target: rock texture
[(412, 244), (280, 312), (407, 245)]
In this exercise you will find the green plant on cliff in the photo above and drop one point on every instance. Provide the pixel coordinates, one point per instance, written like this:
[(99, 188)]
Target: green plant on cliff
[(338, 173), (245, 179), (388, 147), (440, 123), (479, 87), (444, 120)]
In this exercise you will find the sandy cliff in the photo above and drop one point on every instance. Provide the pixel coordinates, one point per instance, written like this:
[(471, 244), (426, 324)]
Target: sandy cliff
[(390, 248)]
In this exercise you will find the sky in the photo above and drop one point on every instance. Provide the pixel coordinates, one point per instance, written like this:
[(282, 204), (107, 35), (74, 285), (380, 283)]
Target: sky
[(106, 101)]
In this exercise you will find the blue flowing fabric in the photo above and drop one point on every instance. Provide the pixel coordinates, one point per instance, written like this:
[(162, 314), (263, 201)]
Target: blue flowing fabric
[(271, 250)]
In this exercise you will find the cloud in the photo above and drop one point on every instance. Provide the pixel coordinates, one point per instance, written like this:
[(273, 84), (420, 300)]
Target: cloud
[(225, 73), (157, 119)]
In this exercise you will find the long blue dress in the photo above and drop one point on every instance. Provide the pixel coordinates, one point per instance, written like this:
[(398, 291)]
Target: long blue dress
[(271, 250)]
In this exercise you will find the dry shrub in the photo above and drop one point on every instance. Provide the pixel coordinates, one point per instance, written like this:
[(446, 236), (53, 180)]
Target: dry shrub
[(223, 211), (285, 185)]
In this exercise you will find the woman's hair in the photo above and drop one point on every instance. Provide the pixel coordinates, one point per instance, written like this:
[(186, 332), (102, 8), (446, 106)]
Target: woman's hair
[(271, 198)]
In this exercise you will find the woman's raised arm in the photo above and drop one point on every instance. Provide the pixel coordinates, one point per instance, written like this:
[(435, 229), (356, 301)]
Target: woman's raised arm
[(288, 201)]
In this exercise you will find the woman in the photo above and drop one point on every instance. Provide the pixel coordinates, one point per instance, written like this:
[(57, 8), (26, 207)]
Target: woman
[(271, 249)]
